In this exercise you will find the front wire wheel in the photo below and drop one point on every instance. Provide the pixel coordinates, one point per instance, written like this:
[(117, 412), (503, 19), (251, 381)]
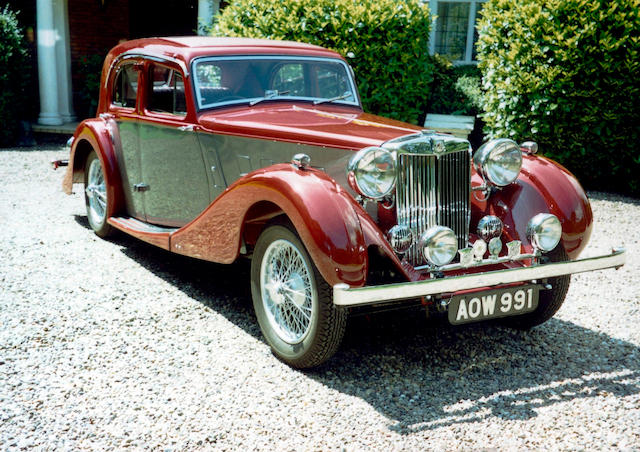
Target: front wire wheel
[(293, 303), (95, 196)]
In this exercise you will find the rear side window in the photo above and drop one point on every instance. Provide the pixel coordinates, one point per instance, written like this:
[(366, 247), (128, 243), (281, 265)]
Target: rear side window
[(125, 88), (166, 93)]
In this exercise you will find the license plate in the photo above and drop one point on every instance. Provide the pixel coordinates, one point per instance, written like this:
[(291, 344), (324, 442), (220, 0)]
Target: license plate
[(493, 304)]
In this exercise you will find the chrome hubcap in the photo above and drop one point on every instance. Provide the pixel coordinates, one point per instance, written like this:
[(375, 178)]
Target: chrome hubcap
[(287, 292), (96, 191)]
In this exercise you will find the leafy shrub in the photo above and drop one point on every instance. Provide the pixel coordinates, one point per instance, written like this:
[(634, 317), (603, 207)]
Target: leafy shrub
[(12, 61), (386, 40), (565, 72), (89, 69), (455, 89)]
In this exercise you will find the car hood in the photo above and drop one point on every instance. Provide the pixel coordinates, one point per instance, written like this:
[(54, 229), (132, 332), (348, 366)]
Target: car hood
[(322, 125)]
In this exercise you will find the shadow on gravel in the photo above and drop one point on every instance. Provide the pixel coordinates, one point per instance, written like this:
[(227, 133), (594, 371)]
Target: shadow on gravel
[(422, 375)]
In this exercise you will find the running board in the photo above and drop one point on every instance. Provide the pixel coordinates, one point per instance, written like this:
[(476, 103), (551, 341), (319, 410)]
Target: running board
[(150, 233)]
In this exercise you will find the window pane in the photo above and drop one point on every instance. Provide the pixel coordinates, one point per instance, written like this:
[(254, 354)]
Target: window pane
[(289, 79), (125, 88), (167, 91), (475, 30), (333, 83), (180, 101), (451, 29), (229, 80)]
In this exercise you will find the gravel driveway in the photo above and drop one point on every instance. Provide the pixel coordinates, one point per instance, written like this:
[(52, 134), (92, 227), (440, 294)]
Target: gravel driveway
[(114, 344)]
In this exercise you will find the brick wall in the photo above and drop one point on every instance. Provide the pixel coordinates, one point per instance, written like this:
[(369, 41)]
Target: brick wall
[(95, 26), (94, 29)]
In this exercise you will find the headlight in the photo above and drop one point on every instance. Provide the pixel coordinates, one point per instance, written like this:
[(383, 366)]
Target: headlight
[(439, 245), (498, 161), (544, 231), (372, 172)]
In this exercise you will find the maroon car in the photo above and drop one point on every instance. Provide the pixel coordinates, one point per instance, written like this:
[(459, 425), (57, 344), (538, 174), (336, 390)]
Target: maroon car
[(226, 148)]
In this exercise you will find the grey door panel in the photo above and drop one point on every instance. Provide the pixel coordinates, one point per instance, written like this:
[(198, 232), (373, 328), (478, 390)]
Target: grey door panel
[(239, 156), (174, 170), (128, 155)]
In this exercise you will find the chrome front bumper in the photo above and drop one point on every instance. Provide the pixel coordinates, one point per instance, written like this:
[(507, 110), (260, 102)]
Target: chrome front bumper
[(362, 296)]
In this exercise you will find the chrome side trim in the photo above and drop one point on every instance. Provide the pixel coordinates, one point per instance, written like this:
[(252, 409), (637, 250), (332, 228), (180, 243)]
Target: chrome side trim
[(345, 296)]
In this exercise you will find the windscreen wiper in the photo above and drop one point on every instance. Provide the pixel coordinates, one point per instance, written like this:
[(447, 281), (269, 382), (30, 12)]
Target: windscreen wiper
[(332, 99), (268, 94)]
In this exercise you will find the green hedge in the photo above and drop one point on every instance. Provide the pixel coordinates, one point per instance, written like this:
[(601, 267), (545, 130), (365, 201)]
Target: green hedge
[(12, 82), (566, 73), (455, 89), (385, 40)]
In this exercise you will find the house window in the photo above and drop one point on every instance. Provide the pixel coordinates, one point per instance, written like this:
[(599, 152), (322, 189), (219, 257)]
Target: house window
[(454, 32)]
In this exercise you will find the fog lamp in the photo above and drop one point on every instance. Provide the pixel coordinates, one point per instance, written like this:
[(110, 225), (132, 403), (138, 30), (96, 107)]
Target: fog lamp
[(544, 231), (439, 245), (400, 238)]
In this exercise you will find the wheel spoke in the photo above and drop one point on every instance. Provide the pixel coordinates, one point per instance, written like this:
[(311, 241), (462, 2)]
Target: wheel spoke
[(287, 291)]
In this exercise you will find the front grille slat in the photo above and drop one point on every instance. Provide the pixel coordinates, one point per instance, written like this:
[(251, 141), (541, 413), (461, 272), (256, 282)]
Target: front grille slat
[(433, 190)]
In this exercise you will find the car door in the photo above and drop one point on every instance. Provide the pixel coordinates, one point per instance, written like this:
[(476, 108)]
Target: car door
[(174, 175), (123, 109)]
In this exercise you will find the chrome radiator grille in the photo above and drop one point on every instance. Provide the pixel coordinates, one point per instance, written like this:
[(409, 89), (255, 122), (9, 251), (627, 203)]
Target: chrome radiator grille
[(433, 190)]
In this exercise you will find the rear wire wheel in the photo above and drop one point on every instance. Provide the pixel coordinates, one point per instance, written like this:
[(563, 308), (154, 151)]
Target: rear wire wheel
[(550, 300), (293, 303), (95, 196)]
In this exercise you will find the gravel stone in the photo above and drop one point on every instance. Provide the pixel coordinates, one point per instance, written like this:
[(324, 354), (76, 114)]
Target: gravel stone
[(114, 344)]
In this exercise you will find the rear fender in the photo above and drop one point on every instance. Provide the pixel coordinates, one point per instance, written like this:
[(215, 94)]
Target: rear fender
[(325, 216), (543, 186), (99, 136)]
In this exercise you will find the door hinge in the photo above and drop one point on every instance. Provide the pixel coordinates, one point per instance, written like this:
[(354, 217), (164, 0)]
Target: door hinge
[(140, 187)]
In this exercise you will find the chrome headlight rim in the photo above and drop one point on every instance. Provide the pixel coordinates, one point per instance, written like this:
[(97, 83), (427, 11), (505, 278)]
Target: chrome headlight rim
[(439, 245), (544, 232), (489, 161), (359, 183)]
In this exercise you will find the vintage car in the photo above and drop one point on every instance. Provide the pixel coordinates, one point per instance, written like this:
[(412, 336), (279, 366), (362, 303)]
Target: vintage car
[(220, 148)]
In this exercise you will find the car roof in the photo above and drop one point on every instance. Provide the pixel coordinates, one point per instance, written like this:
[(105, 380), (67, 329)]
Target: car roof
[(188, 47)]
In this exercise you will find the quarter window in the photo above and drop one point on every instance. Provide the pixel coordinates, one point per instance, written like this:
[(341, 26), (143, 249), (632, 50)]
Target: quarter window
[(166, 94), (125, 88)]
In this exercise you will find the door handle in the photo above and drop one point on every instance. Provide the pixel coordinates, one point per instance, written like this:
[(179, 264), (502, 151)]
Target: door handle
[(140, 187)]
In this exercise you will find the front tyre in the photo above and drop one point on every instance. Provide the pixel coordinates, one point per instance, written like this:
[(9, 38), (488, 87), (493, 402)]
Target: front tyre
[(293, 303), (95, 196), (550, 299)]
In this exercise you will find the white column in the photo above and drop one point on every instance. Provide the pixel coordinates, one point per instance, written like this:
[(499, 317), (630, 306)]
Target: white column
[(206, 10), (47, 72), (63, 60)]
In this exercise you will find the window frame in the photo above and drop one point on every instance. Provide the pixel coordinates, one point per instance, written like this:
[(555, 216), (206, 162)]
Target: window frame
[(471, 28)]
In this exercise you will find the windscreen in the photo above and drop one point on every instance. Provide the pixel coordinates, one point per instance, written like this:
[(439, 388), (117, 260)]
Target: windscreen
[(228, 80)]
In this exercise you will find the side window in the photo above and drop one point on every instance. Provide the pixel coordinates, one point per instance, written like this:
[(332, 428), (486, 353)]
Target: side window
[(125, 88), (166, 93), (289, 78)]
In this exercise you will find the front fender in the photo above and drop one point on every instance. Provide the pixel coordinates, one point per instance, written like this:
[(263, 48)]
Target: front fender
[(325, 216), (96, 135), (543, 186)]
